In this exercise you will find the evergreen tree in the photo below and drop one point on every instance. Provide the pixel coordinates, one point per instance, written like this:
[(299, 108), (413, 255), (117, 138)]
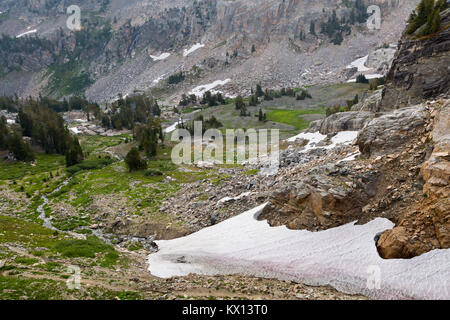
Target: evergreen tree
[(22, 151), (260, 115), (239, 103), (254, 100), (74, 154), (259, 91), (133, 160), (361, 79), (312, 28), (3, 133)]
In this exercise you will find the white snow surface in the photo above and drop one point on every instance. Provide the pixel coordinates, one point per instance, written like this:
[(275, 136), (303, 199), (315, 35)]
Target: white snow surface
[(75, 130), (227, 199), (27, 32), (157, 80), (343, 257), (360, 64), (200, 90), (172, 127), (192, 49), (162, 56), (344, 137), (350, 157), (10, 121)]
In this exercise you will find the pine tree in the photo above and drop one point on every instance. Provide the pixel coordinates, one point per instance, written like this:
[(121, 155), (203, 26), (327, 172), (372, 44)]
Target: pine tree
[(74, 154), (259, 91), (239, 103), (133, 160), (22, 151), (312, 28), (435, 22), (260, 115)]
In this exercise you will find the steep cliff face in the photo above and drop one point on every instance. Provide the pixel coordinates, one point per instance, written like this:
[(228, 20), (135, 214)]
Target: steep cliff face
[(403, 171), (420, 69), (286, 53)]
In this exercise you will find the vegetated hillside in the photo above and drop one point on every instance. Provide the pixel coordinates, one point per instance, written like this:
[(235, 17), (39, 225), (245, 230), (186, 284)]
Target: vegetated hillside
[(124, 46)]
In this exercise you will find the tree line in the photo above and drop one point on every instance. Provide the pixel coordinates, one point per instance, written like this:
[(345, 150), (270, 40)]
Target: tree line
[(44, 127), (427, 14)]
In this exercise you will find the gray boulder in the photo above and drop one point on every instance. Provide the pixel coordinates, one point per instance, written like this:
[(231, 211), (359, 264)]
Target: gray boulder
[(389, 132)]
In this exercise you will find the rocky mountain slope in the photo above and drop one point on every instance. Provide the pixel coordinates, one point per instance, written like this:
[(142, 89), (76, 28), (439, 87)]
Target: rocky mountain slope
[(136, 45), (420, 69), (403, 170)]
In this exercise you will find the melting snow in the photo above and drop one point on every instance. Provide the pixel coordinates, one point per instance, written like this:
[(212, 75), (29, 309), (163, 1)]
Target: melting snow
[(200, 90), (360, 64), (157, 80), (162, 56), (25, 33), (351, 157), (75, 130), (172, 128), (344, 257), (227, 199), (192, 49), (344, 137), (312, 137)]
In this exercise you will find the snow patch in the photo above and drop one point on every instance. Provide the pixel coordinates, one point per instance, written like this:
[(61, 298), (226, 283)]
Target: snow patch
[(26, 33), (200, 90), (171, 128), (157, 80), (312, 137), (228, 199), (351, 157), (162, 56), (360, 64), (342, 257), (192, 49), (343, 137), (75, 130), (10, 121)]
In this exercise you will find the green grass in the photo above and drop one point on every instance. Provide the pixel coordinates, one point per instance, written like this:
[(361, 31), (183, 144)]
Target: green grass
[(26, 232), (17, 170), (89, 164), (97, 144), (15, 288), (292, 117), (83, 248)]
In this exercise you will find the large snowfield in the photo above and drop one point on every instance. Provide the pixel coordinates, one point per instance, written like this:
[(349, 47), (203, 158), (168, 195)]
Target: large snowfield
[(344, 257)]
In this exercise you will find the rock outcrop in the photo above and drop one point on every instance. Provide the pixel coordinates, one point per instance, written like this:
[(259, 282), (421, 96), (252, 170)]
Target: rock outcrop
[(427, 225), (369, 102), (420, 69), (342, 121), (390, 132)]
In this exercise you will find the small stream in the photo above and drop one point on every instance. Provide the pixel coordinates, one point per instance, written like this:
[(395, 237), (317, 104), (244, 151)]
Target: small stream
[(47, 221)]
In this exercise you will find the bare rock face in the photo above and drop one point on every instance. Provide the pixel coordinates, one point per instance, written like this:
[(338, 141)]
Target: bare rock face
[(370, 102), (390, 132), (342, 121), (427, 225), (420, 69), (328, 197)]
